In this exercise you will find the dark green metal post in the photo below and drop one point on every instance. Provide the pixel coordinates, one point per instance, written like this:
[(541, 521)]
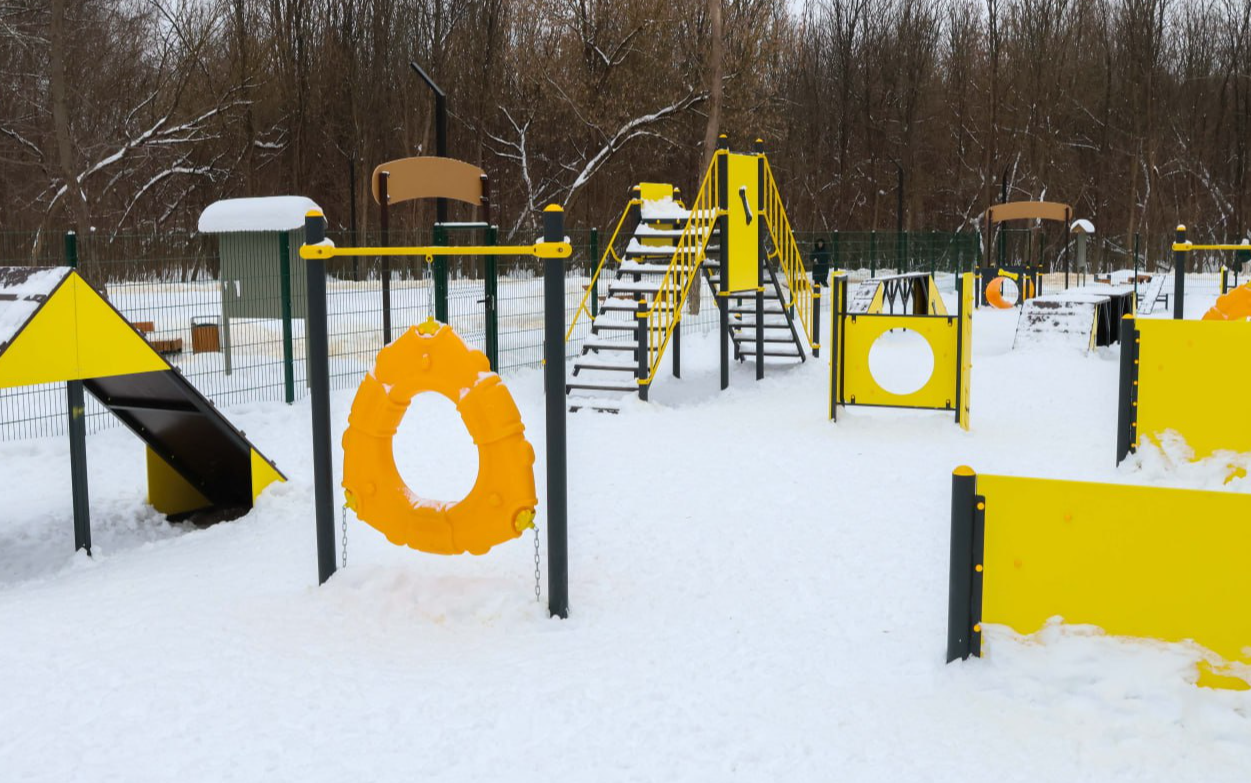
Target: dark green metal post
[(1126, 408), (288, 353), (760, 262), (556, 407), (723, 300), (440, 276), (963, 596), (492, 299), (594, 262), (873, 253), (319, 392), (1179, 276), (76, 409)]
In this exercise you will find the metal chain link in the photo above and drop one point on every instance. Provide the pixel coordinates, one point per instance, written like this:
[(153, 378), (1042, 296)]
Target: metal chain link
[(537, 573), (343, 516)]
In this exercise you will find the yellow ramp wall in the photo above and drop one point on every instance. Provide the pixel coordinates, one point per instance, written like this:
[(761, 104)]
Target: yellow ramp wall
[(1188, 373), (76, 335), (1165, 564)]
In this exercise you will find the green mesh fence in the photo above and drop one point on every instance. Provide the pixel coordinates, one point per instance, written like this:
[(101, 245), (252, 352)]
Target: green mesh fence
[(170, 284)]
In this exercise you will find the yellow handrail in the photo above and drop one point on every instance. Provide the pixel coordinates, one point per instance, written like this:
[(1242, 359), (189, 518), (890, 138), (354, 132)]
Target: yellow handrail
[(609, 251), (786, 250), (688, 255), (1186, 247)]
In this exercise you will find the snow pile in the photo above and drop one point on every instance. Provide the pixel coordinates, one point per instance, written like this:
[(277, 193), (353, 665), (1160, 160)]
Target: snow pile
[(663, 209), (267, 213)]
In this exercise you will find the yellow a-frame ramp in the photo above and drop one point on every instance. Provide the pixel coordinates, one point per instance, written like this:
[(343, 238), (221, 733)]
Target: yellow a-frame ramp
[(54, 327)]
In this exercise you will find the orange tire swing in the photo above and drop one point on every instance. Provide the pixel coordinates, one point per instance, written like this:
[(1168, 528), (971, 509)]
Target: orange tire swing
[(432, 358)]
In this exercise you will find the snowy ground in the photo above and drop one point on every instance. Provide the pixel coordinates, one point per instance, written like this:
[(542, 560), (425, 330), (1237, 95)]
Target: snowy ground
[(757, 594)]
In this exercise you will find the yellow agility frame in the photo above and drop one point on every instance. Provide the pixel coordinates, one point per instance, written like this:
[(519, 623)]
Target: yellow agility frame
[(950, 341)]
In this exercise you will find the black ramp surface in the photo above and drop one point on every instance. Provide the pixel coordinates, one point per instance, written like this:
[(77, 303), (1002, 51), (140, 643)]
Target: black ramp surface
[(185, 430)]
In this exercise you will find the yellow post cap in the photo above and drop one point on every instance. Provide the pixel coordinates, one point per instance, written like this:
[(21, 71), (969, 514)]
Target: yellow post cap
[(314, 213), (964, 470), (553, 208)]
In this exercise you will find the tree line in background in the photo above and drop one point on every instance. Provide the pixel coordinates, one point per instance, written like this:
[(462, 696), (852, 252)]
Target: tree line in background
[(132, 115)]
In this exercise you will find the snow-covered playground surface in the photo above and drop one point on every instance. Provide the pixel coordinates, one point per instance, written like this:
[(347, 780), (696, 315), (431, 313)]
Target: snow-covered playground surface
[(757, 594)]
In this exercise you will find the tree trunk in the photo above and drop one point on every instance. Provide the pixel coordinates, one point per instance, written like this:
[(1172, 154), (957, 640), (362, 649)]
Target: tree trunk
[(716, 72), (74, 199)]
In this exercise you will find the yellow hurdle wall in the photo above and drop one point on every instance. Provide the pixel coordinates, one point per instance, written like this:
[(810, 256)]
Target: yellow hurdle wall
[(1166, 564), (1188, 373)]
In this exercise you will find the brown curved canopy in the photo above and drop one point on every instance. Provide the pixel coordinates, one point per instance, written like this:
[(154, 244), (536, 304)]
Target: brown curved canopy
[(431, 177), (1024, 210)]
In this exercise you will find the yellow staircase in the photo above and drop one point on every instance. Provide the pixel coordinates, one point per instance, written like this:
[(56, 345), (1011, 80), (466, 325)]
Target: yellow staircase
[(654, 257)]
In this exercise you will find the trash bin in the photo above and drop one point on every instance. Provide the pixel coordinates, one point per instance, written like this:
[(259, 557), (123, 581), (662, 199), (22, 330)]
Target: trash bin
[(206, 334)]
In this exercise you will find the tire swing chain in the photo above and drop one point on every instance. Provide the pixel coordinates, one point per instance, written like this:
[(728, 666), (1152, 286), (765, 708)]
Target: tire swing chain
[(537, 573), (343, 517)]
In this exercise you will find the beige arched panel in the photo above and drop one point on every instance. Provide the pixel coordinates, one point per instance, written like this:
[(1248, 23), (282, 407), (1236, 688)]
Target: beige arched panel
[(430, 177), (1024, 210)]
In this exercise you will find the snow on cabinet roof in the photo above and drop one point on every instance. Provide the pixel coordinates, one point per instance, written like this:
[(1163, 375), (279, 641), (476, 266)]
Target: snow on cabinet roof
[(22, 291), (266, 213), (1083, 226)]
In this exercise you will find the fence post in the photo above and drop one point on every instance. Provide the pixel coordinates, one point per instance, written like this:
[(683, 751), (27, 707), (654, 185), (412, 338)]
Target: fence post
[(555, 406), (933, 251), (595, 280), (440, 276), (1135, 272), (873, 253), (384, 226), (492, 285), (319, 393), (76, 410), (284, 275), (1179, 275)]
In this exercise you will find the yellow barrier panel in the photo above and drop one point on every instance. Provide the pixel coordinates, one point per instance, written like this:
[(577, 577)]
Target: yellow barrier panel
[(1167, 564), (861, 388), (1181, 365)]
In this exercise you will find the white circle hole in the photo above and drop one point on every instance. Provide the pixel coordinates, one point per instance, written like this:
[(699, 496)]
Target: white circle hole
[(1011, 291), (901, 361), (434, 452)]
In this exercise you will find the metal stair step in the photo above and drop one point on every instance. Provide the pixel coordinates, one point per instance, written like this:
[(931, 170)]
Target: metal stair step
[(752, 325), (746, 349), (748, 338), (597, 404), (602, 386), (588, 362), (631, 287)]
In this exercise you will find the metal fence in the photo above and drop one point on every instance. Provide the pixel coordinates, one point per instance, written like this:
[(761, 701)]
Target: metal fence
[(170, 285)]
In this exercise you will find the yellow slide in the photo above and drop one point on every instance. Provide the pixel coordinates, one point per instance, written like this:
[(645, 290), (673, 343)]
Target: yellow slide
[(1233, 306)]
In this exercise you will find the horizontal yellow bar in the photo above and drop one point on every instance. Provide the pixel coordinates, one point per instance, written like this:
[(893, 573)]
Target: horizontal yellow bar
[(538, 250), (1185, 247)]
